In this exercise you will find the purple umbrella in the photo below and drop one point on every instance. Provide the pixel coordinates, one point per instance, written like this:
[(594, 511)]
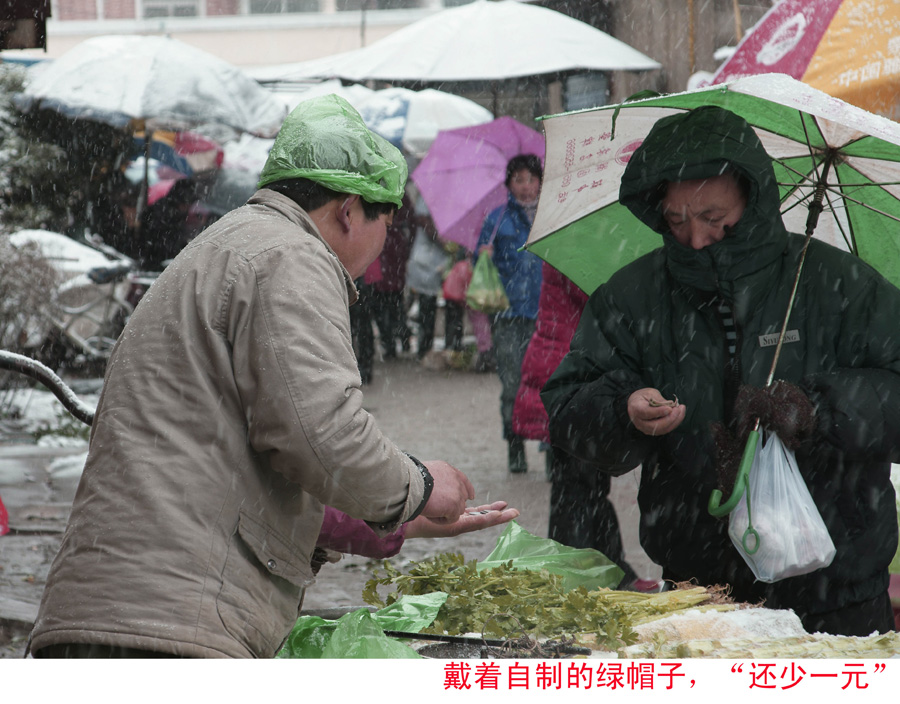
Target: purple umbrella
[(462, 176)]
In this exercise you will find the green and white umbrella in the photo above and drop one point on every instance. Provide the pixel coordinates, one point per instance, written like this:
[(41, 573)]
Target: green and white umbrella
[(581, 229), (825, 152)]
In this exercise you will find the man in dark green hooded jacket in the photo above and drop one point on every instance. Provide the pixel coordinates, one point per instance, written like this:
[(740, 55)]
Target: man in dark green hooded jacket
[(695, 321)]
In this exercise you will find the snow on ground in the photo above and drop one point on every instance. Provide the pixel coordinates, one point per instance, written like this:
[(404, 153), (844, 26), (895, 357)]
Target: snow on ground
[(37, 410)]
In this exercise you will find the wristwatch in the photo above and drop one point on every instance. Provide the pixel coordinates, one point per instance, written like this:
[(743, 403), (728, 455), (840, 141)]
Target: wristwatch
[(428, 480)]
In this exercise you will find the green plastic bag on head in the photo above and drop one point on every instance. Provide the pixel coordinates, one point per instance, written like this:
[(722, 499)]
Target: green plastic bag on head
[(577, 566), (325, 140)]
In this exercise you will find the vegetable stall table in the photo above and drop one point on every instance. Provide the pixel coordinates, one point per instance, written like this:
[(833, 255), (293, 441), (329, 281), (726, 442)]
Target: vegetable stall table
[(535, 598)]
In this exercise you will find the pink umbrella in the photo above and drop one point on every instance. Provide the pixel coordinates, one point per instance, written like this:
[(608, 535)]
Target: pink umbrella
[(462, 176), (160, 189)]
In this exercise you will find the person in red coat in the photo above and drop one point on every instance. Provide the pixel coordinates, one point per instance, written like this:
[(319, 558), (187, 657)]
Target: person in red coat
[(581, 514), (4, 519)]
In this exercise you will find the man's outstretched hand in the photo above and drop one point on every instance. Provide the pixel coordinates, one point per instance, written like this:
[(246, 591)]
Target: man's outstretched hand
[(471, 519), (452, 489)]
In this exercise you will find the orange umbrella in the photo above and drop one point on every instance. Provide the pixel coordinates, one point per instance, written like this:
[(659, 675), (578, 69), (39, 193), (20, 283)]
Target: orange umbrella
[(849, 49)]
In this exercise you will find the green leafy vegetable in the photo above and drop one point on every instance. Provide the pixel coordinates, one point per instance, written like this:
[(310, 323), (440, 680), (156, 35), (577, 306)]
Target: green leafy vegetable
[(504, 602)]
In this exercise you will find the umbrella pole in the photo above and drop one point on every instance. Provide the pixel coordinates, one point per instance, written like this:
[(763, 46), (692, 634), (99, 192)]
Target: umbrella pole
[(738, 29), (144, 195), (714, 506), (815, 209)]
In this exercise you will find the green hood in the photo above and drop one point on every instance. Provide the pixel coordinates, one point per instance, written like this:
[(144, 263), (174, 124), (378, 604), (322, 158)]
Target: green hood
[(702, 143), (325, 140)]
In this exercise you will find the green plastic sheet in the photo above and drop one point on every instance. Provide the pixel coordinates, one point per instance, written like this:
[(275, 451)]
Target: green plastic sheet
[(325, 140), (577, 566), (360, 634)]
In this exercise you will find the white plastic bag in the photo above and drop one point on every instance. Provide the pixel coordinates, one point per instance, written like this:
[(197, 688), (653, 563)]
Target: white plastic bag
[(779, 533), (425, 269)]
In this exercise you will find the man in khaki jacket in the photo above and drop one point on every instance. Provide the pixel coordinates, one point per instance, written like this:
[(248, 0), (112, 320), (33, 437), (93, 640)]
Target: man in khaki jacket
[(231, 413)]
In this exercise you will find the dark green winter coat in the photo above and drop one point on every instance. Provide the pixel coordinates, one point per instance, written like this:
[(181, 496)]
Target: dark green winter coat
[(656, 324)]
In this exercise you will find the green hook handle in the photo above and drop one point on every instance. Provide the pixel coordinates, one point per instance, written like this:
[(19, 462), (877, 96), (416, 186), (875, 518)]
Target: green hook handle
[(741, 483), (750, 533)]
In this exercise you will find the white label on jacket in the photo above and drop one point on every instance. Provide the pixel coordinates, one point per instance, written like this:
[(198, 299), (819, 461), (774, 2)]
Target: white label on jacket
[(771, 340)]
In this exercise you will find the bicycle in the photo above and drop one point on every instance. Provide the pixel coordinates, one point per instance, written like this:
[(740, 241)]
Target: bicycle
[(91, 307)]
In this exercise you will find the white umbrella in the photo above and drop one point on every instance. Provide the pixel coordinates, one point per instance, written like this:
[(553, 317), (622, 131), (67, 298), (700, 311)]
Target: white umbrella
[(292, 93), (137, 82), (148, 83), (411, 119), (480, 41)]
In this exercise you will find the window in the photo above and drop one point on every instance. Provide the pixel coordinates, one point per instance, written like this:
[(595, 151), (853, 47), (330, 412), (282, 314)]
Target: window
[(587, 90), (171, 8), (357, 5), (273, 7), (398, 4)]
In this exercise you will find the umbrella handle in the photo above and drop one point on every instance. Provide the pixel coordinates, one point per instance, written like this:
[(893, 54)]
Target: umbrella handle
[(718, 509), (751, 548)]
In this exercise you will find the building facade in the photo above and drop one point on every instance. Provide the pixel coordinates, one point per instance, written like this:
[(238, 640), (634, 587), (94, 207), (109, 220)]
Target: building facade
[(244, 32), (680, 34)]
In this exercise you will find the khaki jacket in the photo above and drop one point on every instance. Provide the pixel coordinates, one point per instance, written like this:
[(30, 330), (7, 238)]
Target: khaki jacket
[(231, 412)]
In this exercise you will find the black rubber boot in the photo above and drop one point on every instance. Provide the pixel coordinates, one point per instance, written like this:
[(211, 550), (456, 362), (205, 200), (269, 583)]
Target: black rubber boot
[(517, 461), (485, 362)]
